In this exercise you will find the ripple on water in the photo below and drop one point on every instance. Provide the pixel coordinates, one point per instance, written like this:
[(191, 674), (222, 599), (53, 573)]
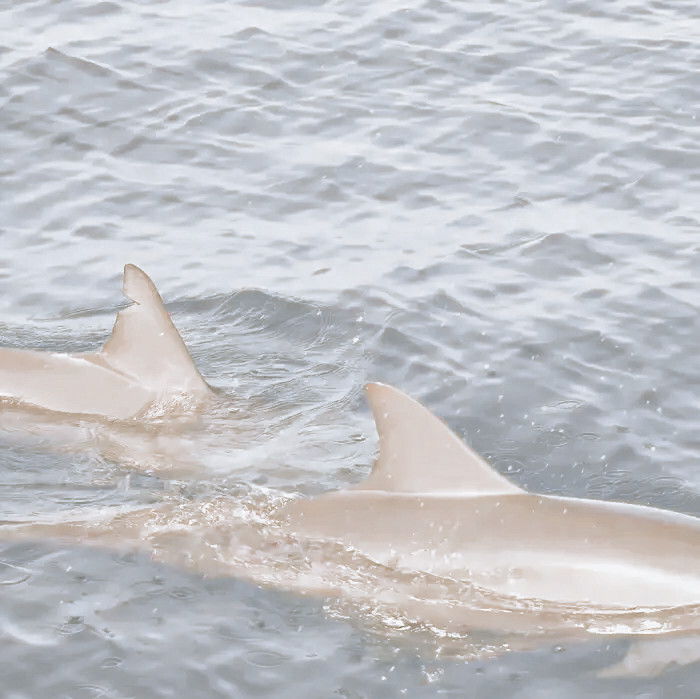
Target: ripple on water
[(264, 658), (12, 574)]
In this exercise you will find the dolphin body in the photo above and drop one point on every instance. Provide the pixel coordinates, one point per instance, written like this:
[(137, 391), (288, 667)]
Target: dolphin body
[(144, 362), (431, 504), (436, 537)]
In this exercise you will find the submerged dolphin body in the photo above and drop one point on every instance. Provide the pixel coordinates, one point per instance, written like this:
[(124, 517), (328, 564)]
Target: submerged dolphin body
[(144, 361), (436, 537)]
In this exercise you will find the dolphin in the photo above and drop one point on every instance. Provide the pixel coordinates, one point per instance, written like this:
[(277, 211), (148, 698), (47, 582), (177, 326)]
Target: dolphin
[(144, 362), (435, 537), (432, 504)]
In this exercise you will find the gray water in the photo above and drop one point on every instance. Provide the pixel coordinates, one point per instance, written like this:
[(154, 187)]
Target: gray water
[(493, 206)]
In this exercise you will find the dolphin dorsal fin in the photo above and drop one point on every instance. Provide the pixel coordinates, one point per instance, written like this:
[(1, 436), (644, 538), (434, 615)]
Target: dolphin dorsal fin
[(145, 344), (418, 453)]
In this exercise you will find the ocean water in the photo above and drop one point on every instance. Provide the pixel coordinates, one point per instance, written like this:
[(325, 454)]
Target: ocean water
[(493, 206)]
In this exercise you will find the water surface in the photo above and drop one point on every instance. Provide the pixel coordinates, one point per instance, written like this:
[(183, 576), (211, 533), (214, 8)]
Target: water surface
[(493, 206)]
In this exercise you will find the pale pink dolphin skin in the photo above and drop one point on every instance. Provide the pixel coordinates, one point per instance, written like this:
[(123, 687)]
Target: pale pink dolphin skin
[(144, 361), (435, 536), (432, 504)]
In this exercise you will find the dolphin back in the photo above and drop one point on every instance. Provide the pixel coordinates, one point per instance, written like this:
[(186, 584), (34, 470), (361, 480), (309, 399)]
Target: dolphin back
[(144, 361)]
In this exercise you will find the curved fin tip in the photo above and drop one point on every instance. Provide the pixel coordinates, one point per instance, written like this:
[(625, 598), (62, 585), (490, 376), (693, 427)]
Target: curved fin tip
[(137, 285)]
